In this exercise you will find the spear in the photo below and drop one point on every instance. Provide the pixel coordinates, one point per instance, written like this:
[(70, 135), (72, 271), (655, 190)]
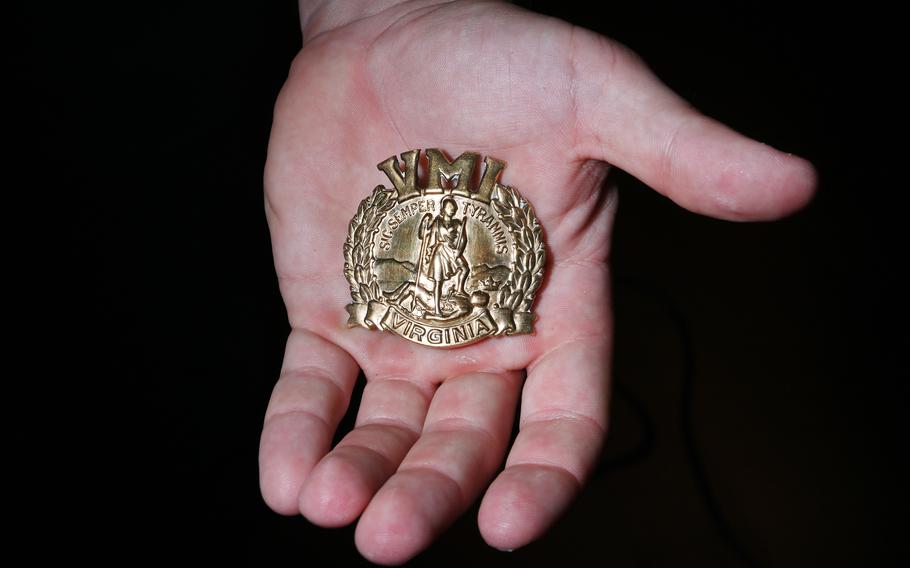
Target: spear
[(427, 219)]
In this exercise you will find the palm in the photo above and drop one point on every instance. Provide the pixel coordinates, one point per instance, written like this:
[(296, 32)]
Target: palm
[(374, 97), (434, 424)]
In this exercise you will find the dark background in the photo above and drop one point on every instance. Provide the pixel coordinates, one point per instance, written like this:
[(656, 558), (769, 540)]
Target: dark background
[(761, 384)]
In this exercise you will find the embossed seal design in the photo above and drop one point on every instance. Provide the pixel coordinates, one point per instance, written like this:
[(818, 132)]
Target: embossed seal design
[(447, 264)]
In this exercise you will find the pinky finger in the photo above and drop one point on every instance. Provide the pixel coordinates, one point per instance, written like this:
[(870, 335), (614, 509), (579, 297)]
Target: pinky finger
[(307, 403)]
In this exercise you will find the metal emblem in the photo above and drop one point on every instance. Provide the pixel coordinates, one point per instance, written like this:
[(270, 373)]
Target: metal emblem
[(448, 264)]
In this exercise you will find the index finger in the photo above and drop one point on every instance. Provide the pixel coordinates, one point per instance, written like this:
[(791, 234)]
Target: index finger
[(562, 429)]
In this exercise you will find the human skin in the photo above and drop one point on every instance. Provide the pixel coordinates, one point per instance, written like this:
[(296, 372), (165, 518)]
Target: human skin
[(559, 104)]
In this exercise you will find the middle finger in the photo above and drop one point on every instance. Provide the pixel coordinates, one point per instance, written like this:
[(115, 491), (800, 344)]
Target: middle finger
[(462, 444)]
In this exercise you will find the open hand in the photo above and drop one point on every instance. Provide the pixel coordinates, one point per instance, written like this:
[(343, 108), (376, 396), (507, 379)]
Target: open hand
[(558, 104)]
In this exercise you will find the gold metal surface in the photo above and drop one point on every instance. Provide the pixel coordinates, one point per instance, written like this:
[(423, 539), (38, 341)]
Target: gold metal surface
[(447, 264)]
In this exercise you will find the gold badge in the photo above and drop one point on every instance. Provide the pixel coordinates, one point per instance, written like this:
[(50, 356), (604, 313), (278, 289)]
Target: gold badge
[(448, 264)]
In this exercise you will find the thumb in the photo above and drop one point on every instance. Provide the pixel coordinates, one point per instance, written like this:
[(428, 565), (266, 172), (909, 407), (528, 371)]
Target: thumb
[(629, 118)]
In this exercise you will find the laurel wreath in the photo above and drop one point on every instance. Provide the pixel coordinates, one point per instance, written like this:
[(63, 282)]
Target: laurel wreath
[(517, 294), (358, 247)]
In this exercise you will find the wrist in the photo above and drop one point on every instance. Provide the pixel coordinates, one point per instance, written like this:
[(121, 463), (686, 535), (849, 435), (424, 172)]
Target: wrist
[(318, 16)]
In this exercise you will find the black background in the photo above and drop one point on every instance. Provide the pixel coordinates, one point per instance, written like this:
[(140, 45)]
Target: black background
[(760, 411)]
